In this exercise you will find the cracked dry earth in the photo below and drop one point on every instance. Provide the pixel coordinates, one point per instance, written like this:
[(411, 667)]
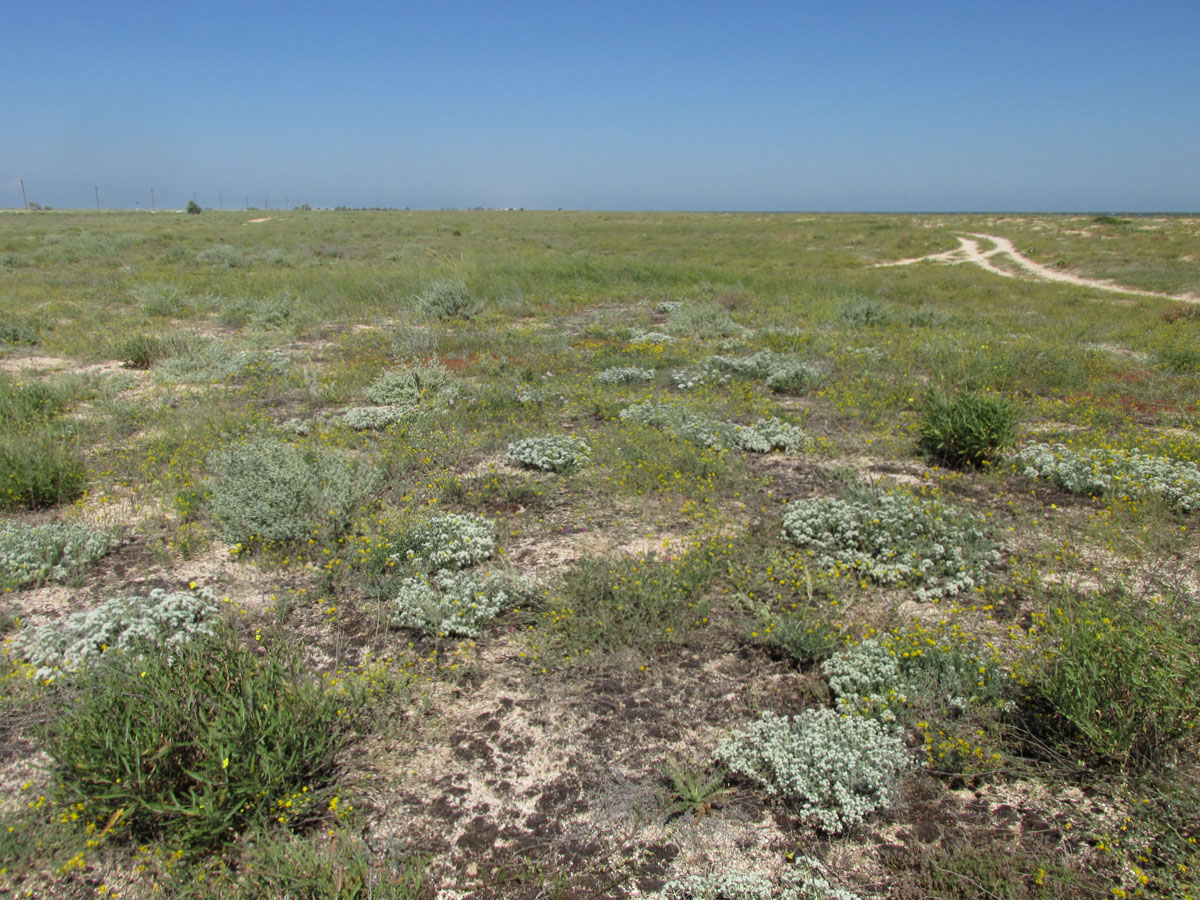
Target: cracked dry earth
[(521, 778)]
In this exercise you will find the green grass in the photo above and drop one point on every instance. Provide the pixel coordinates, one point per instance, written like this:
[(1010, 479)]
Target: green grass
[(208, 410)]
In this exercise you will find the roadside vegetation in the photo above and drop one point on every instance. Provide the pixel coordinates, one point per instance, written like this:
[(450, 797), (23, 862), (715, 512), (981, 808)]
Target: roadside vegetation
[(522, 555)]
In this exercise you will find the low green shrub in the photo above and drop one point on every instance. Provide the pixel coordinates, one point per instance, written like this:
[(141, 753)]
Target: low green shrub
[(417, 384), (1115, 677), (39, 470), (835, 769), (126, 626), (266, 490), (968, 430), (863, 312), (894, 538), (25, 405), (1112, 472), (198, 742), (703, 320), (52, 552), (628, 601), (141, 351), (549, 453), (448, 299)]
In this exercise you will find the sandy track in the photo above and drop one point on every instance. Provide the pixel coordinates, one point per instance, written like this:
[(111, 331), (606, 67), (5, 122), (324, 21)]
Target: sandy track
[(968, 252)]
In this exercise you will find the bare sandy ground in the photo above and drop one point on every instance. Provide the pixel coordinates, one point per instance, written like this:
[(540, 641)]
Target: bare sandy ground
[(968, 252)]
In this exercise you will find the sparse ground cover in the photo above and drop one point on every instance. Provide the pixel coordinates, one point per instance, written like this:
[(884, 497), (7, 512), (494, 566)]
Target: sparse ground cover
[(448, 555)]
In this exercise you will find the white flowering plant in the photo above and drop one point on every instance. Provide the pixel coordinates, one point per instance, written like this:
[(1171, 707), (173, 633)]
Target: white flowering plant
[(454, 604), (894, 538), (802, 882), (1112, 472), (834, 768), (445, 541), (162, 619), (375, 418), (549, 453), (625, 375), (768, 435), (55, 551)]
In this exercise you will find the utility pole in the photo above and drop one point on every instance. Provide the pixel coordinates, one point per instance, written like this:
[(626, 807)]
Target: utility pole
[(153, 208), (24, 199), (193, 196), (247, 202), (97, 189), (266, 202)]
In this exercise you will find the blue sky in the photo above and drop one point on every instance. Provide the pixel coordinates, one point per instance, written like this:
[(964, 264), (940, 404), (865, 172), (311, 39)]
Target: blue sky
[(850, 105)]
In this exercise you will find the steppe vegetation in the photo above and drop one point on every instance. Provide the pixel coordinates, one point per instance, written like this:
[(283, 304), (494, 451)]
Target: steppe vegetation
[(556, 555)]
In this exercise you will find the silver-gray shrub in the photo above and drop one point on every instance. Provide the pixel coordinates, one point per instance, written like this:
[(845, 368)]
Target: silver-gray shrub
[(681, 422), (447, 541), (871, 678), (367, 418), (457, 604), (52, 552), (804, 882), (836, 769), (448, 298), (767, 435), (163, 619), (703, 319), (416, 384), (213, 361), (894, 538), (267, 490), (1109, 472), (780, 373), (625, 375), (549, 453), (698, 376)]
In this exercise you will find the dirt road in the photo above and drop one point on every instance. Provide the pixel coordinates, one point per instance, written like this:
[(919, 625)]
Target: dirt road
[(968, 252)]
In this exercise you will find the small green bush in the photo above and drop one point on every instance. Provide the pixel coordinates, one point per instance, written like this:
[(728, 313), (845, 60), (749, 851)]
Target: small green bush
[(1116, 678), (51, 552), (703, 320), (141, 351), (16, 330), (417, 384), (968, 430), (836, 769), (864, 312), (38, 471), (194, 208), (448, 299), (265, 490), (195, 743), (28, 404), (160, 299)]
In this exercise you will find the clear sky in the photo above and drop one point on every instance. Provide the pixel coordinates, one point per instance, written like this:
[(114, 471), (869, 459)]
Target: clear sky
[(832, 105)]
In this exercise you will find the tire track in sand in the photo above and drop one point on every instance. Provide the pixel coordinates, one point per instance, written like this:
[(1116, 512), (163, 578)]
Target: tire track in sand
[(968, 251)]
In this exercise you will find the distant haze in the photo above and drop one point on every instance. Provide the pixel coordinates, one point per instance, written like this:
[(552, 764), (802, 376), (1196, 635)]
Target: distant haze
[(616, 105)]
